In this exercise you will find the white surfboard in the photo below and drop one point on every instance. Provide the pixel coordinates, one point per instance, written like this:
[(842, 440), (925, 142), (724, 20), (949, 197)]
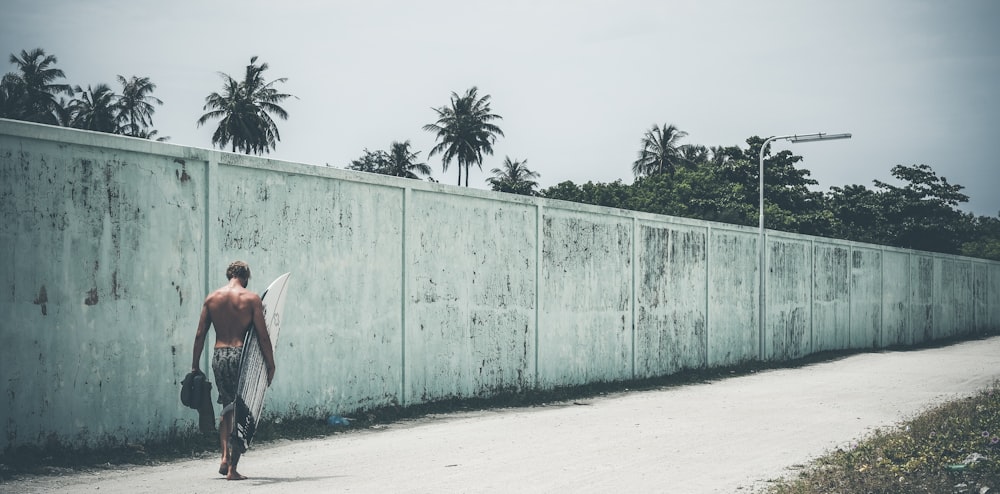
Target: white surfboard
[(253, 371)]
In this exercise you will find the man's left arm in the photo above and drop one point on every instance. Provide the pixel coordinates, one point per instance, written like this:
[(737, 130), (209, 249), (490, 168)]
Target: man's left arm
[(263, 337)]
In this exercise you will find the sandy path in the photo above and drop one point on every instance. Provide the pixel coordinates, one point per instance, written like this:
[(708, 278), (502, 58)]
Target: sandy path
[(721, 437)]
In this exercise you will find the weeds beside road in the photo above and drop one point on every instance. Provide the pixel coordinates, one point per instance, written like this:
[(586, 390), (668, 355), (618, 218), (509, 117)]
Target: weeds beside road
[(952, 448)]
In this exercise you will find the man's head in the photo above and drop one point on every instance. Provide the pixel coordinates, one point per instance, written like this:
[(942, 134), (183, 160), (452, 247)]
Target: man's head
[(239, 270)]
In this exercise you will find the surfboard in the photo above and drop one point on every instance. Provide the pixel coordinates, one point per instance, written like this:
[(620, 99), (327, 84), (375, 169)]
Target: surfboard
[(253, 372)]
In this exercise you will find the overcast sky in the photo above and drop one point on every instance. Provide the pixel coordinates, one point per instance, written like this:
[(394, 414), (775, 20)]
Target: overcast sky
[(577, 82)]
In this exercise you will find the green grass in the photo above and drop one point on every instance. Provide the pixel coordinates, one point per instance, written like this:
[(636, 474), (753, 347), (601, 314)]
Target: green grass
[(952, 448)]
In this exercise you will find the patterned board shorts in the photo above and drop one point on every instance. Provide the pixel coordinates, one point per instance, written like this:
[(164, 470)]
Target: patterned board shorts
[(226, 365)]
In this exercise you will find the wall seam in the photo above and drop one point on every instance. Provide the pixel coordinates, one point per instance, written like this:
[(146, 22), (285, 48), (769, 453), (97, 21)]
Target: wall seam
[(708, 271), (211, 205), (635, 298), (404, 287), (881, 304), (539, 252), (850, 296), (812, 297)]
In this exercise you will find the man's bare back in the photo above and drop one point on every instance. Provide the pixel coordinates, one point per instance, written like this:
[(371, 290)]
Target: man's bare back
[(230, 310)]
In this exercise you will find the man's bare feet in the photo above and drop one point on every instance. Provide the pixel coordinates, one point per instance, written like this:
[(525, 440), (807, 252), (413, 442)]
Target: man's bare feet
[(234, 475)]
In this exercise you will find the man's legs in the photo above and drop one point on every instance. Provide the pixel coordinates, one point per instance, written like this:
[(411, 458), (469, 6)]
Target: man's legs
[(225, 428), (230, 454), (226, 364)]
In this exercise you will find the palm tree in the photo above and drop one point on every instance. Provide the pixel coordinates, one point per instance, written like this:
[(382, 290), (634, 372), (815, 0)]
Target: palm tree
[(30, 93), (135, 106), (464, 131), (660, 152), (694, 154), (244, 109), (94, 109), (515, 177), (151, 135), (402, 162)]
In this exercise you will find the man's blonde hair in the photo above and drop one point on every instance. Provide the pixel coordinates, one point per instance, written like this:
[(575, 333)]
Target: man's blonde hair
[(238, 269)]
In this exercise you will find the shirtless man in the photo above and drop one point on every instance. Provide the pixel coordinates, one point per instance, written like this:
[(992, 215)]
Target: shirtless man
[(232, 310)]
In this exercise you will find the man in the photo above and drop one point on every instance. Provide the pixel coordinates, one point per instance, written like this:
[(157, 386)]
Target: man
[(232, 310)]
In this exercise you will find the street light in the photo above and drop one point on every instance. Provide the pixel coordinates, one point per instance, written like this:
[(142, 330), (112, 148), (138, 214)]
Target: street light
[(760, 236)]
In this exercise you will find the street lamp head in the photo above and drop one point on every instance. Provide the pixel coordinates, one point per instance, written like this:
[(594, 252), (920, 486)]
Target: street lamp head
[(818, 137)]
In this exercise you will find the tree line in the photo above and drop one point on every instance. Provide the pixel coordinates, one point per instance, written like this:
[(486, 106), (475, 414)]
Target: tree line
[(722, 184), (689, 180)]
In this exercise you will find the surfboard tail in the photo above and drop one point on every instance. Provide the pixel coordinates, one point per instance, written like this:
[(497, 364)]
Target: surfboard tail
[(244, 427)]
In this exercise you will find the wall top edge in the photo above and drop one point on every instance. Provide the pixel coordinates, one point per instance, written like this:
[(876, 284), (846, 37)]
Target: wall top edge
[(42, 132)]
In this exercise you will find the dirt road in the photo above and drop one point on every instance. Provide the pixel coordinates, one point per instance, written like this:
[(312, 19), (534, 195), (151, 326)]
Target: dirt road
[(723, 437)]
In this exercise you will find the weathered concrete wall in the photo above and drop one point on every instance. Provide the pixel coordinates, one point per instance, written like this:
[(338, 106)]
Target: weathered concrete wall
[(788, 329), (831, 296), (733, 297), (866, 298), (585, 316), (403, 292), (81, 349), (471, 294), (672, 300)]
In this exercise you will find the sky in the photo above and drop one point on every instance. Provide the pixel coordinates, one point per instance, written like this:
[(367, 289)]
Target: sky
[(577, 83)]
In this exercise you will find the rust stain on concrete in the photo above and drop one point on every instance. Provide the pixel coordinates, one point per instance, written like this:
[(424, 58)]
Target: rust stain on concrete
[(42, 299)]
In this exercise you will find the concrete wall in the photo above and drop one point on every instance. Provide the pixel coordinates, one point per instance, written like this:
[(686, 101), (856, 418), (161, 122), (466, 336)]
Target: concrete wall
[(402, 292)]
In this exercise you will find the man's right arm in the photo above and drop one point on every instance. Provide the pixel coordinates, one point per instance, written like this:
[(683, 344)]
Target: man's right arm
[(204, 322)]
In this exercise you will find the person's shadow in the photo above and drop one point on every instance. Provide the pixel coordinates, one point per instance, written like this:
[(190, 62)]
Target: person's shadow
[(281, 480)]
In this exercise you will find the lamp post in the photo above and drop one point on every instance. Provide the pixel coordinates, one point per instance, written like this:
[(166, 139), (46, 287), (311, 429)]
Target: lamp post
[(761, 303)]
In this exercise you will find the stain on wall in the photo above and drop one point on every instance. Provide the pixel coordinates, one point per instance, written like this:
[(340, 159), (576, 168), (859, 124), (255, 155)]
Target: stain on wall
[(585, 321), (671, 318), (788, 330), (733, 286)]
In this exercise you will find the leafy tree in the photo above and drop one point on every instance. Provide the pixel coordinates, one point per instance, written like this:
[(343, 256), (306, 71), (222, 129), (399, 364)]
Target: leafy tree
[(789, 203), (564, 191), (985, 242), (696, 192), (858, 214), (244, 109), (371, 162), (514, 177), (94, 109), (402, 162), (660, 151), (693, 155), (30, 93), (135, 106), (613, 194), (465, 131), (399, 161), (922, 214)]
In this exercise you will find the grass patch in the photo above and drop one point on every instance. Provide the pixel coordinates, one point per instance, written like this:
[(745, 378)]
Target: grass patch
[(952, 448)]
